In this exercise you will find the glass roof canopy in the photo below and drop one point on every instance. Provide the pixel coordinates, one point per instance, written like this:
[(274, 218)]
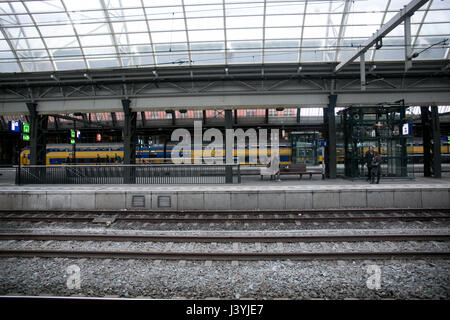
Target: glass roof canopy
[(58, 35)]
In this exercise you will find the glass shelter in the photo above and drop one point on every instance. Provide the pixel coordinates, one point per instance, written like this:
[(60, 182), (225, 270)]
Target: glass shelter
[(385, 128)]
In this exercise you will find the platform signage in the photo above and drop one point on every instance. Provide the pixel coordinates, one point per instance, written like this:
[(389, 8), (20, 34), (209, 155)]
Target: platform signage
[(72, 141), (14, 126), (25, 127), (78, 134), (72, 133), (407, 129), (98, 137), (25, 137)]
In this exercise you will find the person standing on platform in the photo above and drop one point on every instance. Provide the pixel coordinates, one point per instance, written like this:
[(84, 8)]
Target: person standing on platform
[(275, 164), (376, 168), (368, 160)]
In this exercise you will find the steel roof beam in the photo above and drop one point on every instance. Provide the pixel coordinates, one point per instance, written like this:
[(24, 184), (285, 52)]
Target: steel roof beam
[(407, 11)]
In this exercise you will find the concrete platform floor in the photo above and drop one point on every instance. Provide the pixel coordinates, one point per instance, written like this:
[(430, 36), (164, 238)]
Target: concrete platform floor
[(247, 183)]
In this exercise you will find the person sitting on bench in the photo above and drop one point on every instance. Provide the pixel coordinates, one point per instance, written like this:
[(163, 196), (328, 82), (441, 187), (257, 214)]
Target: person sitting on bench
[(273, 167)]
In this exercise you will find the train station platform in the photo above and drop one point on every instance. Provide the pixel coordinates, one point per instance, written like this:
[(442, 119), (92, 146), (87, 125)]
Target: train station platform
[(251, 194)]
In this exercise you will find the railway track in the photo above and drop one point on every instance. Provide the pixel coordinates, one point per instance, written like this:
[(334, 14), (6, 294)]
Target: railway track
[(234, 238), (127, 253), (267, 216), (227, 256)]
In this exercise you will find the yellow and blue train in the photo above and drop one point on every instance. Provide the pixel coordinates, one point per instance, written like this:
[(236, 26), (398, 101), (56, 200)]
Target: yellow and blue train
[(112, 153)]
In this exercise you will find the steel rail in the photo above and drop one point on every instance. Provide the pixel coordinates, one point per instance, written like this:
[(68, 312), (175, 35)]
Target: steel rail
[(228, 219), (236, 212), (239, 238), (224, 256)]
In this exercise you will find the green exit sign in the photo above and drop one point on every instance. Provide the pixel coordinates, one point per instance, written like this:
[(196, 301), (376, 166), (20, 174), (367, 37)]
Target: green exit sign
[(25, 127), (72, 141), (26, 137), (72, 133)]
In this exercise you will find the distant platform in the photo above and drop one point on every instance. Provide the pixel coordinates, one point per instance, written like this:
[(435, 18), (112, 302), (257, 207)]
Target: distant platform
[(251, 194)]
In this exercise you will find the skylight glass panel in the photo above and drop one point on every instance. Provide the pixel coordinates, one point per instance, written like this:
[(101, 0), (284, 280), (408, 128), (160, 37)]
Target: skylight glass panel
[(203, 11), (12, 7), (244, 45), (70, 64), (97, 52), (102, 63), (17, 20), (164, 13), (37, 66), (123, 4), (435, 29), (96, 40), (61, 42), (284, 21), (244, 9), (283, 33), (87, 16), (139, 61), (244, 57), (316, 20), (281, 44), (32, 54), (274, 56), (207, 46), (44, 6), (244, 22), (205, 23), (75, 5), (153, 3), (10, 67), (169, 37), (28, 44), (51, 18), (285, 8), (30, 32), (167, 25), (207, 35), (63, 30), (244, 34), (208, 58), (91, 28), (315, 32), (67, 53), (126, 14), (172, 59)]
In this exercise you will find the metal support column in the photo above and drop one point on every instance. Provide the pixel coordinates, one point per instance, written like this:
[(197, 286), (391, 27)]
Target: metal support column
[(298, 115), (266, 117), (330, 136), (436, 132), (129, 141), (229, 168), (426, 138), (362, 70), (408, 52), (38, 139)]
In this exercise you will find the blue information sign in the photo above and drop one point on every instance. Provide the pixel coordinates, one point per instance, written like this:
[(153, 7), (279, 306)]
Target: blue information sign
[(14, 126)]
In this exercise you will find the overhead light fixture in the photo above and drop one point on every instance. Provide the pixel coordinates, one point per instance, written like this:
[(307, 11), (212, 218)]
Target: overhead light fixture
[(87, 76), (54, 77), (299, 69)]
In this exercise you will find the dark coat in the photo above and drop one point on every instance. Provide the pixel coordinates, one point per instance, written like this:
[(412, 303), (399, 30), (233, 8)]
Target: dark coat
[(368, 158)]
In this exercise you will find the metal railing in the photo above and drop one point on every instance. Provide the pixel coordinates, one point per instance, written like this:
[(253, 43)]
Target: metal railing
[(129, 174)]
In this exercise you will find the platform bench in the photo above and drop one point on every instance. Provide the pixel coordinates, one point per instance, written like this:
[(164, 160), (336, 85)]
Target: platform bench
[(300, 169)]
